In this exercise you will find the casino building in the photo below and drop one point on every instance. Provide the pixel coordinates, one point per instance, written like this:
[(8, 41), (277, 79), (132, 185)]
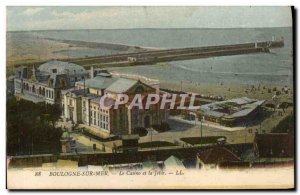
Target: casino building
[(82, 104), (44, 84), (79, 93)]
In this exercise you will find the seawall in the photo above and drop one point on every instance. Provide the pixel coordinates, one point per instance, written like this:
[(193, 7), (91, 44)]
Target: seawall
[(149, 57)]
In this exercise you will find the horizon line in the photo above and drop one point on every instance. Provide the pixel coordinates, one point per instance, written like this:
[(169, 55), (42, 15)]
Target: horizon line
[(147, 28)]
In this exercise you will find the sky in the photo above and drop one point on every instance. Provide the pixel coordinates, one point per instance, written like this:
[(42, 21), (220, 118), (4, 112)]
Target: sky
[(60, 18)]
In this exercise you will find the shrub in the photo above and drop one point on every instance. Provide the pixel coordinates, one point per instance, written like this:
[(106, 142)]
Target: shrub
[(141, 131)]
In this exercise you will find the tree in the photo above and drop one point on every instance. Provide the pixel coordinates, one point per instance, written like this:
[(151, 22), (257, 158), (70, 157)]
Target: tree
[(29, 131)]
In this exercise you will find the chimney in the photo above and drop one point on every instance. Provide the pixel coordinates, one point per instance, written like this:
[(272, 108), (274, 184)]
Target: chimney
[(33, 76), (92, 72), (33, 70)]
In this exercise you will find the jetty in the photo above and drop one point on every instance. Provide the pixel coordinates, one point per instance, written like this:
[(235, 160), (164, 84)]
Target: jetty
[(164, 55)]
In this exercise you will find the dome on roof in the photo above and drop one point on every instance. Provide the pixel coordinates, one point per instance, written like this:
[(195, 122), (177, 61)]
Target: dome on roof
[(61, 67)]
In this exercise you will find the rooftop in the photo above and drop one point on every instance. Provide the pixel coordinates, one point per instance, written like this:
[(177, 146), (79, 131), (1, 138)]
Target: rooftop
[(77, 92), (233, 108), (60, 67), (121, 85), (173, 162), (217, 155), (107, 101), (99, 82)]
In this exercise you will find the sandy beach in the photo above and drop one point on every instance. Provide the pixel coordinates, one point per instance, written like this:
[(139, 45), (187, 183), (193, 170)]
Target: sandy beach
[(230, 91), (26, 49)]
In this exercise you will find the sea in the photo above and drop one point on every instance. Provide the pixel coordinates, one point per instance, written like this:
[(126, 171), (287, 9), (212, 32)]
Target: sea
[(275, 67)]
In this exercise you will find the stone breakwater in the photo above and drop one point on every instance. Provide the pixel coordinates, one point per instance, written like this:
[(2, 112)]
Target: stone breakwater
[(163, 55)]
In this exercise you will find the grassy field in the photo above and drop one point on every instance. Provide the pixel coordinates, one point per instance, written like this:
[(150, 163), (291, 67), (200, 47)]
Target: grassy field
[(28, 50), (33, 50)]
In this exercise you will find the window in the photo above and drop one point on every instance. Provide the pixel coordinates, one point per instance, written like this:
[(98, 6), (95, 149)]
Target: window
[(71, 102), (58, 94)]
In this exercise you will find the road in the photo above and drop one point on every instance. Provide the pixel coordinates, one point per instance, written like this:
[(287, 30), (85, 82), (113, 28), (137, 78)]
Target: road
[(182, 128)]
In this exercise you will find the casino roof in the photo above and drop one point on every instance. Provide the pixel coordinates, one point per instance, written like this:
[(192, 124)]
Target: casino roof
[(121, 85), (99, 82), (62, 68)]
